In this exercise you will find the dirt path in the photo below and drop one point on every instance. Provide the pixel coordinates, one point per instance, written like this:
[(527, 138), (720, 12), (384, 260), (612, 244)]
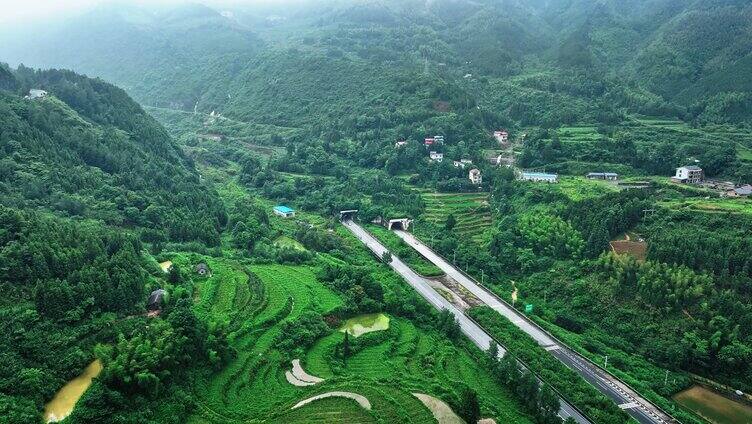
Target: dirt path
[(440, 410), (362, 401)]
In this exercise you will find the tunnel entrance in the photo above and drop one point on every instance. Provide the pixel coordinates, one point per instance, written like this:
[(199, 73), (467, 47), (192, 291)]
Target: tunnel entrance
[(402, 224), (348, 214)]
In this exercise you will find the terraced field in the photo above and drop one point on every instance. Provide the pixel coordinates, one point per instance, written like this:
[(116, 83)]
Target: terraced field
[(254, 305), (252, 301), (471, 211), (578, 134), (418, 362)]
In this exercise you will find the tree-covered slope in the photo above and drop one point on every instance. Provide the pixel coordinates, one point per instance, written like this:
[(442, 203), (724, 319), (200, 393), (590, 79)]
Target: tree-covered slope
[(87, 150), (192, 56), (86, 177)]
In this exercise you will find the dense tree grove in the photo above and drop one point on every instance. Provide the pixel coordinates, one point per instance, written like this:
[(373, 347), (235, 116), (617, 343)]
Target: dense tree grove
[(716, 338), (58, 279)]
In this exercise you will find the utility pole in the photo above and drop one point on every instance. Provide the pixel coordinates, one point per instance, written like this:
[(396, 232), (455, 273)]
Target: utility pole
[(605, 364), (482, 274), (665, 380)]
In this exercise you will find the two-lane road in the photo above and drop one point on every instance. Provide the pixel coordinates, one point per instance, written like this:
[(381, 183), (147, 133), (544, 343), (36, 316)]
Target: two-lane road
[(627, 399), (474, 332)]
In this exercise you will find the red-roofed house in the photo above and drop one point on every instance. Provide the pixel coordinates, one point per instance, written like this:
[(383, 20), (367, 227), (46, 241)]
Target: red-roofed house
[(501, 136)]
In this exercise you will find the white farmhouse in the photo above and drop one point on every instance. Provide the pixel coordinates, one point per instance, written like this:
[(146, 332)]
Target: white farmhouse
[(688, 175), (436, 156), (501, 136), (462, 163)]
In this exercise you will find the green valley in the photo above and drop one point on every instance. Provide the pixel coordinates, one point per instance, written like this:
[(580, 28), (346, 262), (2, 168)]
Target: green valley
[(376, 211)]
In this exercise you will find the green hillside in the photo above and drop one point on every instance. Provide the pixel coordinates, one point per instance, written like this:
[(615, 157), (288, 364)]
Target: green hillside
[(88, 151)]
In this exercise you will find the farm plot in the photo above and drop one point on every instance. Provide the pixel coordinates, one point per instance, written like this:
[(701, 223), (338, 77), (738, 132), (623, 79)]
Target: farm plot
[(580, 188), (470, 210)]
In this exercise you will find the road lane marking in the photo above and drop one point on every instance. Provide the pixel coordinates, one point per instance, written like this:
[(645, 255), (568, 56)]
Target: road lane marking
[(629, 405)]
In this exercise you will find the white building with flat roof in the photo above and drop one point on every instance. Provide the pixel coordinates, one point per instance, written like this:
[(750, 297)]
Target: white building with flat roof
[(436, 156), (688, 175)]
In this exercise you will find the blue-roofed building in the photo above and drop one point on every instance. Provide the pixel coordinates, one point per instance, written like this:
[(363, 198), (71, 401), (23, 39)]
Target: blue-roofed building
[(539, 176), (284, 211)]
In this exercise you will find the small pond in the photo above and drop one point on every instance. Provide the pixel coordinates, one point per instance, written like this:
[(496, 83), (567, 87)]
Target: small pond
[(363, 324), (714, 407), (65, 399)]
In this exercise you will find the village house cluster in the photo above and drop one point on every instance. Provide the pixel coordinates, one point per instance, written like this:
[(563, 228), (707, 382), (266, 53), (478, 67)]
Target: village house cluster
[(474, 174)]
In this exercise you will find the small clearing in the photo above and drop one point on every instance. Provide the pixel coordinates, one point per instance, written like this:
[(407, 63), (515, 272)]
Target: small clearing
[(299, 377), (362, 401), (166, 265), (631, 244), (440, 410)]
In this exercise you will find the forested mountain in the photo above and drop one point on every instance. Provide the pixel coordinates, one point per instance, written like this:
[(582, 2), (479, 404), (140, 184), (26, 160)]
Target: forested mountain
[(88, 151), (669, 52), (85, 176)]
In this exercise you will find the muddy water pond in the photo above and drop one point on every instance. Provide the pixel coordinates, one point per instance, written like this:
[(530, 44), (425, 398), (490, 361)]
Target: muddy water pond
[(363, 324), (65, 399), (714, 407)]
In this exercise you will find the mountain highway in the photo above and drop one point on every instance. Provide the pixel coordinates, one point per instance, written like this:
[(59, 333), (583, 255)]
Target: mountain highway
[(624, 396), (472, 330)]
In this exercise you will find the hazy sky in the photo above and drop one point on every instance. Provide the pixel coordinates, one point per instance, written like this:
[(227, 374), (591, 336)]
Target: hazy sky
[(17, 11)]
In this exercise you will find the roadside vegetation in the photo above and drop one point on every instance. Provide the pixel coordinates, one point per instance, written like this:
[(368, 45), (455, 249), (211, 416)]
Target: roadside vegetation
[(398, 247)]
